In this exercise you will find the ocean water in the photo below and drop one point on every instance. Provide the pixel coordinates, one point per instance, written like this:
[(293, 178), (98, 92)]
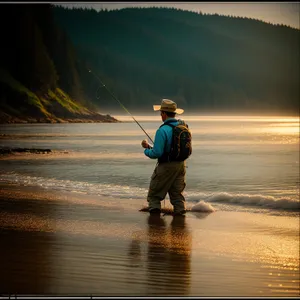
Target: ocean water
[(238, 163), (70, 225)]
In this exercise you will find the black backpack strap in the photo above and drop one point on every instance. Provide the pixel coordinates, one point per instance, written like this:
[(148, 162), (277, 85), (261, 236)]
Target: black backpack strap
[(165, 157)]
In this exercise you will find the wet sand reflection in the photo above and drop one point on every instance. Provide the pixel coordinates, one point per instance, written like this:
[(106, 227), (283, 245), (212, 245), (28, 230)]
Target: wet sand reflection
[(168, 257), (26, 265)]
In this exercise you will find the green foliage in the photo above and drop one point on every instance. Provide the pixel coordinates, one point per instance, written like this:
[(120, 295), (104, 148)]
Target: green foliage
[(65, 101), (26, 103), (6, 78), (30, 98), (204, 62), (209, 62), (36, 59)]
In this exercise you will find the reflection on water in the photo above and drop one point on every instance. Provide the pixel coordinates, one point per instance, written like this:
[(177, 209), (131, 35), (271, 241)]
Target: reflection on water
[(26, 264), (109, 252), (26, 261), (173, 262), (168, 261)]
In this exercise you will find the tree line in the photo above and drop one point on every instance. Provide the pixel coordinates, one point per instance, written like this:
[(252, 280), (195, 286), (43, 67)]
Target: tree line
[(206, 63), (39, 80)]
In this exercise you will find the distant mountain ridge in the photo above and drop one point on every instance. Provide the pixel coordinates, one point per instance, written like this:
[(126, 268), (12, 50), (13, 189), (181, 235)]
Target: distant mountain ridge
[(204, 62)]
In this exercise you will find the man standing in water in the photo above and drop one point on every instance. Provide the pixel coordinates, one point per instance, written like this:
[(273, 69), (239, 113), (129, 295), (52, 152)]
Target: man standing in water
[(168, 175)]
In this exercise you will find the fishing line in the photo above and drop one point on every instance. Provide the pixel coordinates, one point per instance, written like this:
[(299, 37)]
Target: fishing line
[(98, 97), (103, 85), (90, 71)]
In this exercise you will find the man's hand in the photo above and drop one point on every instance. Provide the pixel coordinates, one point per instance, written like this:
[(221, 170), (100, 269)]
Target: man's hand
[(145, 144)]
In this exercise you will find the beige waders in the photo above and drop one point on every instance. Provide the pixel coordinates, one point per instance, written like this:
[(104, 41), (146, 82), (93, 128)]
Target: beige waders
[(168, 177)]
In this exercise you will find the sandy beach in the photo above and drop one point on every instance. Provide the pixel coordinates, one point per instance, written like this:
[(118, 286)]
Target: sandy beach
[(72, 244)]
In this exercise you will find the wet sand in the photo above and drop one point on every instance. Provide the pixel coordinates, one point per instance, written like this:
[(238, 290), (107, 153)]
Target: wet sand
[(73, 244)]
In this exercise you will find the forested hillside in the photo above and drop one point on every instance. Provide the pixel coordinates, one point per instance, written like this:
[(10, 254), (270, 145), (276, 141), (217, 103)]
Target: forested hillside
[(207, 63), (39, 81)]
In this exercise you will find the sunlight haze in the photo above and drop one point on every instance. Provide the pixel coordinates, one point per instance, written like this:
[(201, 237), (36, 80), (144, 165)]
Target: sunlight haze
[(286, 13)]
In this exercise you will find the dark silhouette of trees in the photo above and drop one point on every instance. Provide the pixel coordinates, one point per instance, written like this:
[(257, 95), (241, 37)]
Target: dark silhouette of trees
[(202, 61), (38, 67)]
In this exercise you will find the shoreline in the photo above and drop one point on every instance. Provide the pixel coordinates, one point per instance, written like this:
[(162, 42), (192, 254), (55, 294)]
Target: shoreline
[(61, 121), (93, 117), (78, 243)]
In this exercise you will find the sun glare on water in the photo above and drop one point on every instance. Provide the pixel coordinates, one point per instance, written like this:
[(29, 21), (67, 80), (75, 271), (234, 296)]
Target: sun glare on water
[(156, 117), (265, 129), (284, 128)]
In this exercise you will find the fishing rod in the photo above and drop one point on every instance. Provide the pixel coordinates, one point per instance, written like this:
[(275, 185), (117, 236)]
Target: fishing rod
[(90, 71)]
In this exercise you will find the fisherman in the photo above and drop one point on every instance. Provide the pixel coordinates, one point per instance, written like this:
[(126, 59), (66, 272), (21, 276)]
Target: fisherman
[(168, 176)]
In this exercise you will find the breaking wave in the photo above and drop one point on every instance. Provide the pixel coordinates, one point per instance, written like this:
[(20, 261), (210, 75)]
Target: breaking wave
[(264, 201), (198, 201)]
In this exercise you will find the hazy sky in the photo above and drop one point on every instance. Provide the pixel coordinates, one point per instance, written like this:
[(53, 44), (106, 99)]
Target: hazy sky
[(286, 13)]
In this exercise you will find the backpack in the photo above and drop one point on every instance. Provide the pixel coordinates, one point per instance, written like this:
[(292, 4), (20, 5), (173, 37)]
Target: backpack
[(181, 147)]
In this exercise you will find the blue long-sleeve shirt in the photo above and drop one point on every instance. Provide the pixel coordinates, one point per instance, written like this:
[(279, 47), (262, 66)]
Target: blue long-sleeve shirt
[(162, 140)]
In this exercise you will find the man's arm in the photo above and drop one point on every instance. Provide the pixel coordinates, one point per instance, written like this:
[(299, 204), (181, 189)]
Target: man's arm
[(159, 145)]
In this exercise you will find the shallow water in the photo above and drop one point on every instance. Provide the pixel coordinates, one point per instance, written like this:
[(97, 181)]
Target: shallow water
[(244, 161), (70, 222)]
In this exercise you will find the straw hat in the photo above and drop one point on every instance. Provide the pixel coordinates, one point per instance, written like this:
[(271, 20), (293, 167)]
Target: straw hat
[(168, 105)]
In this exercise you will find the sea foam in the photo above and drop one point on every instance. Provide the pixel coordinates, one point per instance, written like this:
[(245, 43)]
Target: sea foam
[(202, 206), (130, 192), (255, 200)]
